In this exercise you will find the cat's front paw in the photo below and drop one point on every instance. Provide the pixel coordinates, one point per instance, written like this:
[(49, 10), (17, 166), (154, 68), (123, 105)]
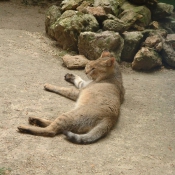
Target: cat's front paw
[(69, 78), (23, 129), (33, 121), (47, 86)]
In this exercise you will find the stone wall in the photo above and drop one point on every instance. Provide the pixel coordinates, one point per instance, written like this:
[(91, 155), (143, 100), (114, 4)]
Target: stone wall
[(134, 31)]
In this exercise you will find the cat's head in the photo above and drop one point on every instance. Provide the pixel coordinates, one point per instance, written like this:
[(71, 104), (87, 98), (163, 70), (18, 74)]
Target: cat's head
[(102, 68)]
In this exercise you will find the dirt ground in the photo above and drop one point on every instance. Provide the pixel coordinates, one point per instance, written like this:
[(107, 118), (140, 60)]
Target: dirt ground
[(142, 143)]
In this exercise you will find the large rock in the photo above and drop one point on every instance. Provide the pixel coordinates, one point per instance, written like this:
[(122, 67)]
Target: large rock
[(151, 32), (110, 6), (70, 4), (132, 42), (154, 42), (68, 27), (98, 12), (168, 51), (75, 62), (84, 5), (92, 44), (138, 17), (168, 24), (116, 25), (146, 59), (162, 10), (171, 39), (142, 2), (52, 15)]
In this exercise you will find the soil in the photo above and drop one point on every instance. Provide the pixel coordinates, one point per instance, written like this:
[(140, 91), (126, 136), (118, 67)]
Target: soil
[(142, 142)]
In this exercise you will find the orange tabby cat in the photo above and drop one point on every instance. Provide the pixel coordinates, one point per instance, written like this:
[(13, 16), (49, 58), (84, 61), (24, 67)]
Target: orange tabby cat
[(97, 104)]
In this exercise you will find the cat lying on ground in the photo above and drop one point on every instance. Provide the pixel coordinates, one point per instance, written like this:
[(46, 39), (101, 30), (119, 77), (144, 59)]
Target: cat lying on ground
[(97, 104)]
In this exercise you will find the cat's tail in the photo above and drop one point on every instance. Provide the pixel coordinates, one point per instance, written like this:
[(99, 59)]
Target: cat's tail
[(92, 136)]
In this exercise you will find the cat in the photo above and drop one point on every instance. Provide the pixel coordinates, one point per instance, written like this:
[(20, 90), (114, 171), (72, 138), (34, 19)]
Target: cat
[(97, 104)]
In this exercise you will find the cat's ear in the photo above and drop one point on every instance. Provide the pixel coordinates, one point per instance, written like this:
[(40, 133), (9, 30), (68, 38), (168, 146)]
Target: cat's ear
[(105, 54), (109, 62)]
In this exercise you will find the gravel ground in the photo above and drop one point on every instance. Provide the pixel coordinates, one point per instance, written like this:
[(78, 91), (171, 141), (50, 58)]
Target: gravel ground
[(142, 143)]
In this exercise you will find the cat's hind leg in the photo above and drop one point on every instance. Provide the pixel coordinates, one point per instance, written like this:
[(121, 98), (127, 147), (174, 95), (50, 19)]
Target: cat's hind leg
[(39, 121), (55, 127), (76, 80), (50, 130), (34, 130)]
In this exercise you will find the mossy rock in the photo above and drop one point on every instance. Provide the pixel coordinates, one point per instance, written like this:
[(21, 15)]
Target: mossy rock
[(92, 44), (68, 27), (138, 15), (146, 59)]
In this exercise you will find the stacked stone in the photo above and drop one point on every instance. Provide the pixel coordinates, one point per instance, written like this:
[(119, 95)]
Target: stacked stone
[(133, 31)]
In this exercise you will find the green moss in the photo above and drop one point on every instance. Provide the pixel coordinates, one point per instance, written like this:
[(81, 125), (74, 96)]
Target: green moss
[(108, 40), (89, 37), (5, 171), (172, 2)]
